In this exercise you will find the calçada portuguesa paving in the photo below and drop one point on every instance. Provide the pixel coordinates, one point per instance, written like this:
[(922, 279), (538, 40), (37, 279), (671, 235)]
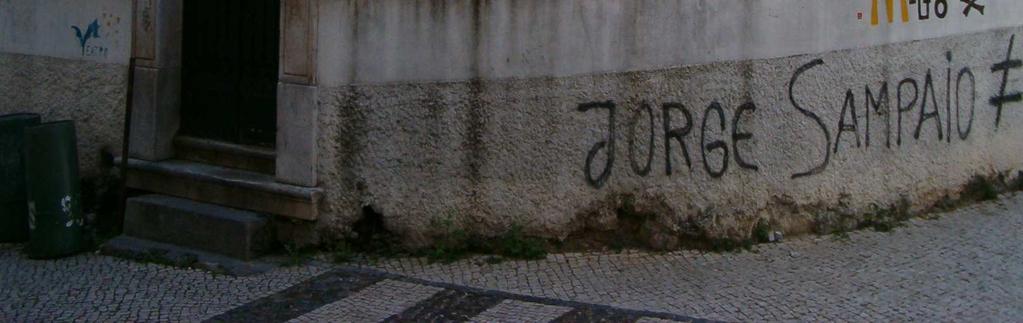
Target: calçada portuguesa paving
[(964, 265)]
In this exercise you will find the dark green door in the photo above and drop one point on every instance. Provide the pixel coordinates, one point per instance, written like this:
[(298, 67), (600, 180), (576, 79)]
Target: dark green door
[(229, 70)]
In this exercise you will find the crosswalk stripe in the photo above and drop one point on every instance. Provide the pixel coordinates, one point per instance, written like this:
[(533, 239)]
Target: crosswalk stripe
[(372, 304), (596, 314), (446, 306), (513, 311), (299, 298), (357, 295), (657, 320)]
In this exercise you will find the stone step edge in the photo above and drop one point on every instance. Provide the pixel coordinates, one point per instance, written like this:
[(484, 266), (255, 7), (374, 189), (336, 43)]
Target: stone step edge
[(224, 186), (188, 223), (225, 176), (138, 249)]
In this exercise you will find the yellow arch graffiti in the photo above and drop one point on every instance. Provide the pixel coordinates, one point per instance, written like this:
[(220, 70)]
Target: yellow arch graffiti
[(890, 6)]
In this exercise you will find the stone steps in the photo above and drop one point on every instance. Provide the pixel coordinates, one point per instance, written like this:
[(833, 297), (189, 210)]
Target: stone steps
[(219, 185), (235, 233)]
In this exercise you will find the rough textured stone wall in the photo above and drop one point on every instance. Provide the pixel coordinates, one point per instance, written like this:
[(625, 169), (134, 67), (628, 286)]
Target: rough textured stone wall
[(710, 149), (67, 60), (90, 93)]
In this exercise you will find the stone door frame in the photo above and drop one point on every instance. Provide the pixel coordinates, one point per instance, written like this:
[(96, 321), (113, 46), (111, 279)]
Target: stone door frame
[(156, 48)]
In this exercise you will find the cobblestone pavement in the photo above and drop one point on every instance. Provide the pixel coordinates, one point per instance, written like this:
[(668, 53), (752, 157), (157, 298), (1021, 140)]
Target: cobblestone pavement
[(963, 266), (98, 288)]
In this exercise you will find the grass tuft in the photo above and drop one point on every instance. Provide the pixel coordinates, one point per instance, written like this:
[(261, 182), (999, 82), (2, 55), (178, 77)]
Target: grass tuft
[(762, 232), (980, 188), (456, 244)]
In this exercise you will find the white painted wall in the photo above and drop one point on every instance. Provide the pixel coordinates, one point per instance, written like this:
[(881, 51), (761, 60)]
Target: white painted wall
[(43, 28), (482, 112), (377, 41)]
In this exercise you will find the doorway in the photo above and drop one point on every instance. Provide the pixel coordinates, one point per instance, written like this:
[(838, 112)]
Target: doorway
[(229, 71)]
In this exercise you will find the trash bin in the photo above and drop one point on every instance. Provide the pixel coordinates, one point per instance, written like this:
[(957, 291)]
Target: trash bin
[(13, 202), (54, 193)]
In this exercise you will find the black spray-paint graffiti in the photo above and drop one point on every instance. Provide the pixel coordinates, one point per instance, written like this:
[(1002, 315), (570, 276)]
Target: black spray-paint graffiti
[(608, 145), (959, 101), (972, 5), (1003, 67), (672, 135)]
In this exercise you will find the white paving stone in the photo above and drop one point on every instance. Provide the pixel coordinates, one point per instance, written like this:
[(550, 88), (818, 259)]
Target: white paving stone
[(512, 311), (372, 304), (89, 287), (655, 320)]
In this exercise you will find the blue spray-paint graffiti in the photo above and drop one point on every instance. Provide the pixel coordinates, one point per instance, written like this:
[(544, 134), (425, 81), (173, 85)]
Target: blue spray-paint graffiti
[(91, 32)]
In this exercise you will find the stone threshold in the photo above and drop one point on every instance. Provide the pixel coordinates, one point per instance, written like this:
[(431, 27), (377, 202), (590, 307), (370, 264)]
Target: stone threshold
[(250, 158)]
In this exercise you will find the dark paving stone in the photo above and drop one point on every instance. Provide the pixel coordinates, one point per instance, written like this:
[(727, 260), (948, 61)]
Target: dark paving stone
[(448, 306), (299, 299), (453, 304), (590, 314)]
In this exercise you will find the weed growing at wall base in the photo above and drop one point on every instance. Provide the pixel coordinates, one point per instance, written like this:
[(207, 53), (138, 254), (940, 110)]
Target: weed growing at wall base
[(890, 218), (452, 243), (515, 244), (762, 232), (295, 256), (341, 252), (980, 188), (456, 244)]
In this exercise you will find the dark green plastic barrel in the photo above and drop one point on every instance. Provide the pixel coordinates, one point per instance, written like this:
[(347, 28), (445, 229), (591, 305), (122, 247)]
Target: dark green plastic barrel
[(54, 193), (13, 199)]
